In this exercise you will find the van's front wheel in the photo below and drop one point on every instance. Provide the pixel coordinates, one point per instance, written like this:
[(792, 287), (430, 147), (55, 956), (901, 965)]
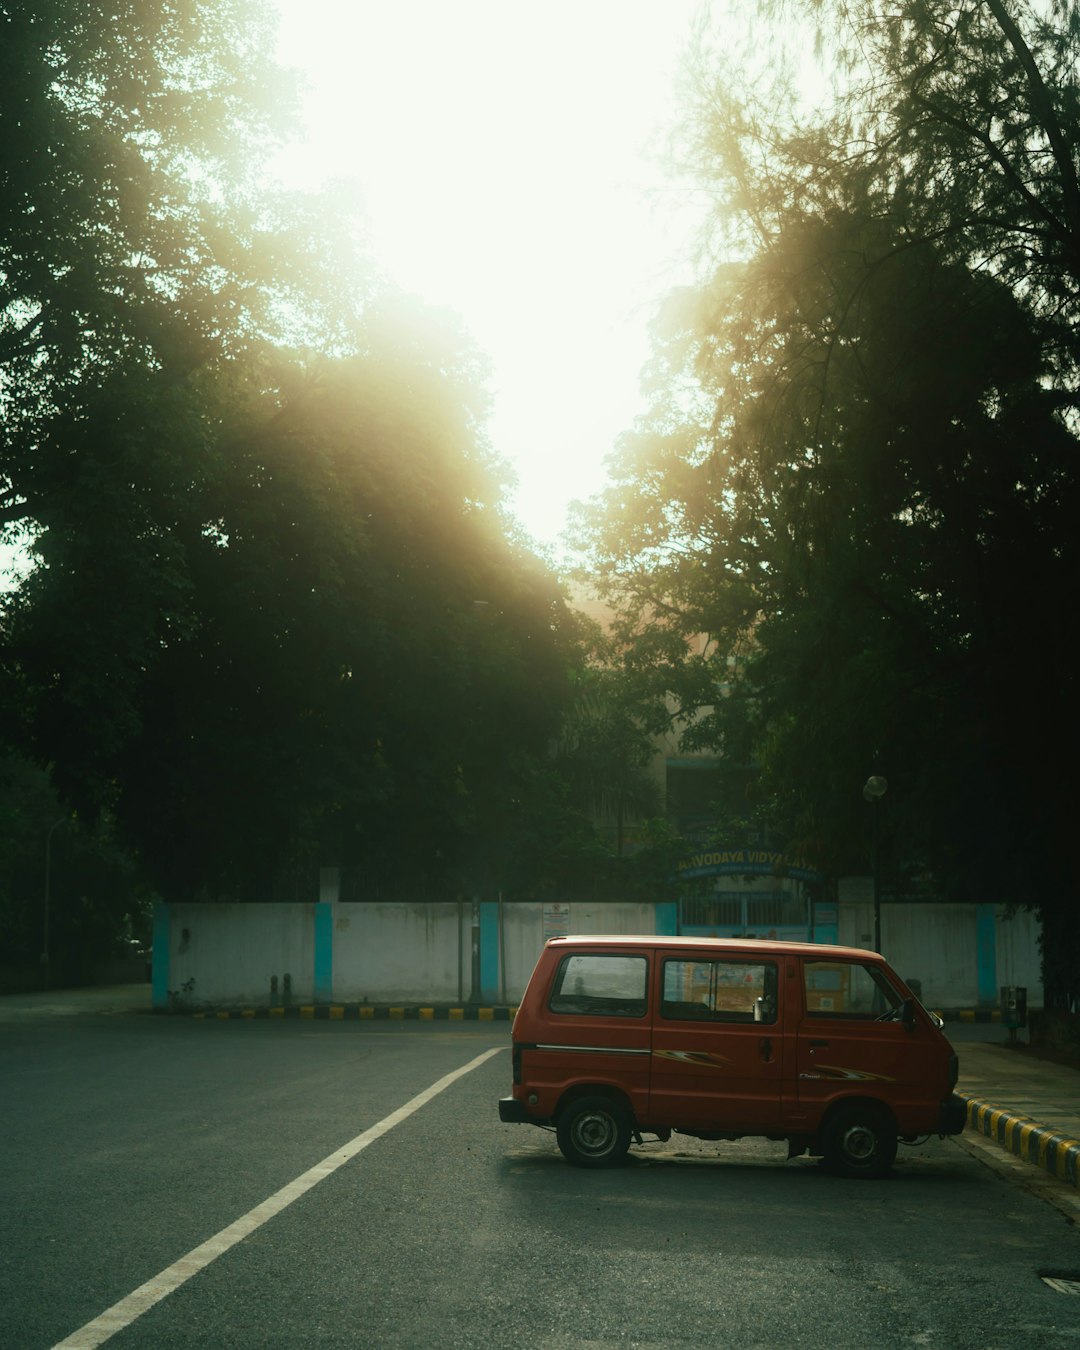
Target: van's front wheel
[(593, 1132), (859, 1141)]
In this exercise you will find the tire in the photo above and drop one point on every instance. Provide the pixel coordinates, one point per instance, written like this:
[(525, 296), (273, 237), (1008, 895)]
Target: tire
[(593, 1132), (859, 1141)]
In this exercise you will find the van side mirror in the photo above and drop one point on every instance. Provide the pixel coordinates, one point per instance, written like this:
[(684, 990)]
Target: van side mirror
[(908, 1014)]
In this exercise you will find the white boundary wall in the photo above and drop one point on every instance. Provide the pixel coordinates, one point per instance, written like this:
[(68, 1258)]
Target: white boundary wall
[(524, 935), (938, 945), (231, 952), (401, 953), (207, 955)]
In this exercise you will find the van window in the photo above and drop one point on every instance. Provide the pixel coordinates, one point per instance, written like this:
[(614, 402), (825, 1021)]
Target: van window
[(719, 991), (600, 986), (847, 989)]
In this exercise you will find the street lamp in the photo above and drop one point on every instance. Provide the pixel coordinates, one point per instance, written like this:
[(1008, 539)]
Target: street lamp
[(873, 790), (45, 922)]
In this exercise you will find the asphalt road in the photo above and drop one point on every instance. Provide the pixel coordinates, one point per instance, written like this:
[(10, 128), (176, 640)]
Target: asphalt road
[(131, 1142)]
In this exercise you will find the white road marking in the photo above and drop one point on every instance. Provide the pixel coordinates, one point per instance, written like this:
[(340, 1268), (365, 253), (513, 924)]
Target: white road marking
[(125, 1312)]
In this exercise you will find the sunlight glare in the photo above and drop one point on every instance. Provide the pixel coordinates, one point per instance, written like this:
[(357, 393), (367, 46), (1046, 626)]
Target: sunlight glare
[(498, 151)]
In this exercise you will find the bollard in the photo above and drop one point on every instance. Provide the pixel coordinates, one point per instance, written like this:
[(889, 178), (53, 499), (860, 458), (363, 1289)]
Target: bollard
[(1013, 1008)]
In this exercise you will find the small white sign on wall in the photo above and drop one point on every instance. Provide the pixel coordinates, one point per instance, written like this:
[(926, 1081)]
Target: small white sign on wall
[(556, 920)]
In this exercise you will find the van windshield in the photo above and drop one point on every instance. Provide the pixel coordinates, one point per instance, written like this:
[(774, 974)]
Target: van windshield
[(600, 986)]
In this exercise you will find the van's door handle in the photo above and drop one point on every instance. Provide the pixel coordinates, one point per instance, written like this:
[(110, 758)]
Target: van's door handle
[(813, 1043), (765, 1049)]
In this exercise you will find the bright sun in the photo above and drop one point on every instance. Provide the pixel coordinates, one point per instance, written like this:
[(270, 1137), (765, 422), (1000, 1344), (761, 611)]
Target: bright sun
[(499, 152)]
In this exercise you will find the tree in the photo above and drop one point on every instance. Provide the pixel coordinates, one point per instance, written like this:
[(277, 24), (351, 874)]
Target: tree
[(142, 274), (132, 227), (860, 472), (605, 750), (352, 653), (278, 617), (98, 903)]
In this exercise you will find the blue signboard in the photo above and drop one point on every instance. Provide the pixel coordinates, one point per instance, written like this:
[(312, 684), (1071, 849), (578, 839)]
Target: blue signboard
[(746, 862)]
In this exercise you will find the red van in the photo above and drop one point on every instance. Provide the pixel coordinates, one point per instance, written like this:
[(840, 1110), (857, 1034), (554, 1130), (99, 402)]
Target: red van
[(825, 1047)]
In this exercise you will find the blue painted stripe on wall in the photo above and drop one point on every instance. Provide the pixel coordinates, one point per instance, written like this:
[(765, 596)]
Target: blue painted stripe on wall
[(324, 953), (159, 970), (489, 950), (986, 952), (667, 919)]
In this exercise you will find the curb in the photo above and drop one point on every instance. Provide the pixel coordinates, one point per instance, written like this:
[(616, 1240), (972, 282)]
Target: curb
[(1050, 1149), (352, 1012)]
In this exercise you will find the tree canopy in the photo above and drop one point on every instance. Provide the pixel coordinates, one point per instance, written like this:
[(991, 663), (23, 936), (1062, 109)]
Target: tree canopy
[(859, 474), (277, 617)]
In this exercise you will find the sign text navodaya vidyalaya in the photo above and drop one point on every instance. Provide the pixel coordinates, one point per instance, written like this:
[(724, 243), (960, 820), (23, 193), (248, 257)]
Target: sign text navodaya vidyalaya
[(743, 861)]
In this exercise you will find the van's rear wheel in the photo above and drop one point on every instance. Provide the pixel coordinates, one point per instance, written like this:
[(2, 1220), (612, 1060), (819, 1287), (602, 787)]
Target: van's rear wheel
[(859, 1141), (593, 1132)]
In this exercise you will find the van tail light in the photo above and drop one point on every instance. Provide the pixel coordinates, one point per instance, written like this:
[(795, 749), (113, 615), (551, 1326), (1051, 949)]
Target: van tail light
[(954, 1070), (515, 1057)]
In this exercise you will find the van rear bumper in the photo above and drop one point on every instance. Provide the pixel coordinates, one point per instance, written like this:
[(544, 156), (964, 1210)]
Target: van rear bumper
[(512, 1112), (953, 1115)]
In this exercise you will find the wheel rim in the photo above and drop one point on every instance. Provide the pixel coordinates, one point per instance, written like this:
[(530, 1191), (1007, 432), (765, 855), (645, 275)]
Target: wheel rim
[(859, 1143), (594, 1133)]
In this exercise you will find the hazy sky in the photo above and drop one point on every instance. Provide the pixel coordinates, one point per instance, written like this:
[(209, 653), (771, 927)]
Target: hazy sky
[(500, 148)]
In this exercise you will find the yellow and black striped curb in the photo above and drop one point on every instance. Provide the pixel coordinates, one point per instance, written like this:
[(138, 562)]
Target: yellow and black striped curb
[(363, 1012), (1052, 1150)]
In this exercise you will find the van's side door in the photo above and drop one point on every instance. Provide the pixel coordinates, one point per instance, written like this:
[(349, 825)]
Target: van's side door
[(717, 1057)]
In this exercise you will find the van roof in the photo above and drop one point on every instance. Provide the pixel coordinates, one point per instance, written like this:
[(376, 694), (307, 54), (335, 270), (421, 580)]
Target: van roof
[(708, 944)]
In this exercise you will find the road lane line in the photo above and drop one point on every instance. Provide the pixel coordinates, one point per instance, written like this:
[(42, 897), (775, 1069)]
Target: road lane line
[(125, 1312)]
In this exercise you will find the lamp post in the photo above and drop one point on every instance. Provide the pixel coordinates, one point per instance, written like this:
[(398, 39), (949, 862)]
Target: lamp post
[(873, 790), (45, 920)]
